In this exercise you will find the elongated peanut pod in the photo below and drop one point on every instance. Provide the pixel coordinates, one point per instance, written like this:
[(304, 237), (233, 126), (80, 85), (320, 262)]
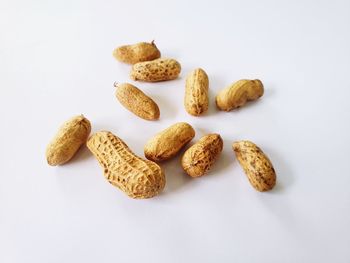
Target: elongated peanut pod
[(156, 70), (136, 177), (256, 165), (169, 142), (135, 53), (200, 157), (71, 135), (237, 94), (196, 92), (136, 101)]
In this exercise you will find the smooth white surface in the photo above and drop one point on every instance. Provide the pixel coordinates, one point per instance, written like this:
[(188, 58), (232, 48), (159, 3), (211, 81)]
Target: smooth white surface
[(55, 62)]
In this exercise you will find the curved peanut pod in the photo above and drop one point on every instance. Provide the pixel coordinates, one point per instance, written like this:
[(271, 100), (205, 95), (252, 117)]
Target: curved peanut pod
[(160, 69), (169, 142), (256, 165), (196, 92), (135, 53), (71, 135), (136, 177), (237, 94), (136, 101), (200, 157)]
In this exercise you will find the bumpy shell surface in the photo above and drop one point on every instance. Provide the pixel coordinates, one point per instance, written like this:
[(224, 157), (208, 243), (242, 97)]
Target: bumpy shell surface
[(135, 53), (136, 101), (169, 142), (256, 165), (156, 70), (237, 94), (200, 157), (71, 135), (196, 92), (136, 177)]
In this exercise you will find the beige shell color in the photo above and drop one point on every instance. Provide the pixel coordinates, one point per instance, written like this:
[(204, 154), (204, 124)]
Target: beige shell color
[(256, 165), (136, 101), (239, 93), (70, 136), (156, 70), (200, 157), (196, 92), (168, 142), (135, 53), (136, 177)]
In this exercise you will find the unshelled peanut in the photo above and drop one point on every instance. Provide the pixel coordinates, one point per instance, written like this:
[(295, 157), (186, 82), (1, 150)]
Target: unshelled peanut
[(136, 177), (237, 94), (71, 135), (196, 92), (169, 142), (256, 165), (135, 53), (160, 69), (200, 157), (136, 101)]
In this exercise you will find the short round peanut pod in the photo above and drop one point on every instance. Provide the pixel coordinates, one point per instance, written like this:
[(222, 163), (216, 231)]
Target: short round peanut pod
[(256, 165), (156, 70), (136, 101), (136, 177), (135, 53), (169, 142), (71, 135), (239, 93), (196, 92), (200, 157)]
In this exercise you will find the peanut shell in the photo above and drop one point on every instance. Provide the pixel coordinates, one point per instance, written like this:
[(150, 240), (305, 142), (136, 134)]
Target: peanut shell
[(135, 53), (256, 165), (200, 157), (136, 177), (70, 136), (237, 94), (160, 69), (136, 101), (168, 142), (196, 92)]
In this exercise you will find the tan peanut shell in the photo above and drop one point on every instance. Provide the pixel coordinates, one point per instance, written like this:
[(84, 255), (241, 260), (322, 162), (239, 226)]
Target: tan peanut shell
[(160, 69), (237, 94), (256, 165), (169, 142), (135, 53), (196, 92), (136, 177), (199, 158), (136, 101), (71, 135)]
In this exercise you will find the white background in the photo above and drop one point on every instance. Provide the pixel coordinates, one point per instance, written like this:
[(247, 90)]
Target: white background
[(56, 62)]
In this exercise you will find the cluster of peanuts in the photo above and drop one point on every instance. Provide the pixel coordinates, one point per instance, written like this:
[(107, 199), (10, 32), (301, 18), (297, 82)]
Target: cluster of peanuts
[(144, 178)]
